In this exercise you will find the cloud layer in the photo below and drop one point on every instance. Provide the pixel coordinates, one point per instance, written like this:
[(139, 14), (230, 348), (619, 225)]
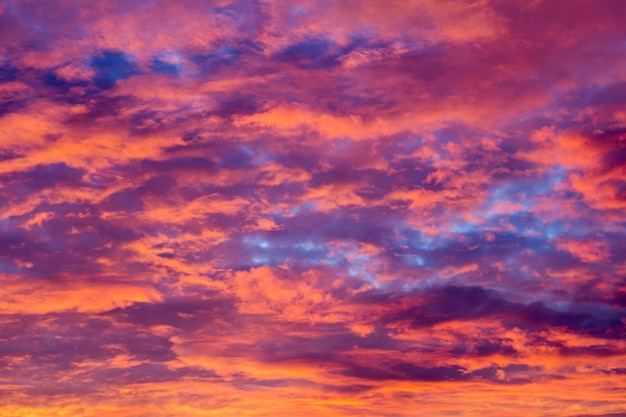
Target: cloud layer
[(312, 208)]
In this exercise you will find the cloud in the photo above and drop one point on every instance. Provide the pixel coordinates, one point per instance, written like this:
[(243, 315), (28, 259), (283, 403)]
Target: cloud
[(312, 208), (84, 297)]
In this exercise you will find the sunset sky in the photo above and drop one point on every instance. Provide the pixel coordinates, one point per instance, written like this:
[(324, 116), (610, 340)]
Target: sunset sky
[(312, 208)]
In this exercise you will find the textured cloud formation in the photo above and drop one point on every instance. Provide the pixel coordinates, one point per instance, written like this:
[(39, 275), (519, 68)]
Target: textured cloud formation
[(344, 208)]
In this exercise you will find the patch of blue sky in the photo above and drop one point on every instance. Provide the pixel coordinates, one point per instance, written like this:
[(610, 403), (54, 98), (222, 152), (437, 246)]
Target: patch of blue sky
[(554, 229), (227, 54), (413, 238), (356, 264), (258, 260), (526, 224), (360, 272), (411, 144), (414, 260), (543, 185), (284, 251), (519, 195), (293, 211), (463, 227), (307, 246), (9, 267), (306, 252), (111, 66), (167, 63), (260, 156), (256, 241)]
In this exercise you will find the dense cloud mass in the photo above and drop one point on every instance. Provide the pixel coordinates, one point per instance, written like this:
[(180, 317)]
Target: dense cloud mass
[(313, 208)]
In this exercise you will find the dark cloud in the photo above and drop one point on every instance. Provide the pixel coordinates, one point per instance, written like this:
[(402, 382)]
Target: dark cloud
[(511, 374), (312, 53), (451, 303)]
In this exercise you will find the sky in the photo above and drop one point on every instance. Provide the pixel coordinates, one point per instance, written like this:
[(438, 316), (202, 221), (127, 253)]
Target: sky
[(313, 208)]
